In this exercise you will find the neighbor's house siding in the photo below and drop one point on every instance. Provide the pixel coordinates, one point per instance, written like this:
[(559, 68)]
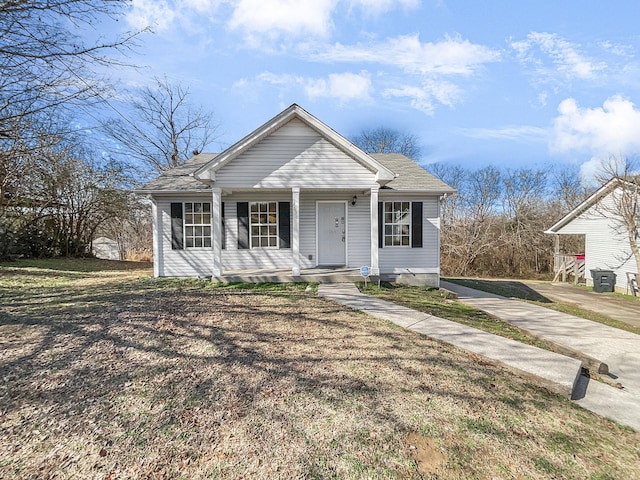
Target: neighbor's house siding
[(295, 155), (605, 247), (416, 260)]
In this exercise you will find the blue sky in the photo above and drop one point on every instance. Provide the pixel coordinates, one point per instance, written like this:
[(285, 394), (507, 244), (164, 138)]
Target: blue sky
[(504, 82)]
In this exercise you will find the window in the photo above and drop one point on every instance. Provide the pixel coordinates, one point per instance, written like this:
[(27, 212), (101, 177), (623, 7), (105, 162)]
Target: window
[(264, 224), (397, 224), (197, 224)]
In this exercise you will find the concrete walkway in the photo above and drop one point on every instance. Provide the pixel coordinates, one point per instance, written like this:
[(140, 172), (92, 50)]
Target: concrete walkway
[(557, 372), (620, 350)]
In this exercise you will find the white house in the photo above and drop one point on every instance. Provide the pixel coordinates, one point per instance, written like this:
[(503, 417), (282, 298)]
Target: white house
[(607, 244), (295, 195)]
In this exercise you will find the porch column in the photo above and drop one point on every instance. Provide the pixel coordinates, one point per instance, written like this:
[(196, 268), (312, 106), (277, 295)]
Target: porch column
[(295, 231), (375, 270), (216, 208)]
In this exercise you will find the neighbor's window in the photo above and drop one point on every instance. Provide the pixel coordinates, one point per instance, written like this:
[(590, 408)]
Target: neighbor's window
[(397, 224), (197, 224), (264, 224)]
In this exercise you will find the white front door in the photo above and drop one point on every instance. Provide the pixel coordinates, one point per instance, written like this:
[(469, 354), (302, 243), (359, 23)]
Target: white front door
[(332, 234)]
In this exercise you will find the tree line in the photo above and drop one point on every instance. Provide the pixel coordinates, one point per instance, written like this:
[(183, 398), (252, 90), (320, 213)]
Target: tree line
[(61, 185), (495, 224)]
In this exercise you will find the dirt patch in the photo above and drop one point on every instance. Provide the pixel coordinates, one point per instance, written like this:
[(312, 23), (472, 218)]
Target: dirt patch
[(425, 453)]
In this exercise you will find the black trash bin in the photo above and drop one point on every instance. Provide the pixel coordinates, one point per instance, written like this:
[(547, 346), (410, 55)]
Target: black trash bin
[(603, 280)]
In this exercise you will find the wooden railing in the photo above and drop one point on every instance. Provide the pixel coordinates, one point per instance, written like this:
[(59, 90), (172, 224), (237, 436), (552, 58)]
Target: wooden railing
[(569, 265)]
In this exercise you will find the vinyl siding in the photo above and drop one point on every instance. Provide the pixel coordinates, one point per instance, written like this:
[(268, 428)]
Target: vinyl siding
[(252, 258), (358, 233), (416, 260), (606, 247), (199, 262), (192, 262), (294, 156)]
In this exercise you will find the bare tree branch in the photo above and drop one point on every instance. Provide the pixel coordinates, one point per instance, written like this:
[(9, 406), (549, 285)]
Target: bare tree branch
[(165, 130)]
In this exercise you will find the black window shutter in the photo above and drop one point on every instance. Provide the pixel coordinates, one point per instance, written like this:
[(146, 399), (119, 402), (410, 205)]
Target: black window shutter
[(416, 224), (284, 224), (177, 242), (243, 225), (223, 230), (380, 224)]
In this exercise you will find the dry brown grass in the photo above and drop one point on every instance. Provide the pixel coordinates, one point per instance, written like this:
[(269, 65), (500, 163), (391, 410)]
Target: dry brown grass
[(115, 375)]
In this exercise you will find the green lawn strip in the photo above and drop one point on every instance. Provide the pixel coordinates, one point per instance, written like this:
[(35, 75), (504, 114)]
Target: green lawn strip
[(435, 302), (520, 291)]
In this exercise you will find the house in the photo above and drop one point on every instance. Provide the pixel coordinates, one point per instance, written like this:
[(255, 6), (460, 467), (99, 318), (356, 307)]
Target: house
[(293, 196), (601, 219)]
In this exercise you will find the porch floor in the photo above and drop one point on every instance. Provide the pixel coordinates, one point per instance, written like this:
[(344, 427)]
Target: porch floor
[(317, 275)]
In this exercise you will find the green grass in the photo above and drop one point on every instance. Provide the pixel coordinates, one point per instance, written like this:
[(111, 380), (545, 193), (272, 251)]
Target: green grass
[(520, 291), (436, 302)]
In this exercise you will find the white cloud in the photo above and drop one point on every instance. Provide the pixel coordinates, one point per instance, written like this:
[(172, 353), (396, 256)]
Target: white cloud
[(613, 129), (275, 17), (426, 97), (343, 87), (452, 56), (515, 133), (564, 56), (377, 7), (603, 133), (157, 14)]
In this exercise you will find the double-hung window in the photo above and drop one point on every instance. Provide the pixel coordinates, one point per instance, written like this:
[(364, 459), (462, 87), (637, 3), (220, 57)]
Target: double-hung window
[(264, 224), (397, 224), (197, 224)]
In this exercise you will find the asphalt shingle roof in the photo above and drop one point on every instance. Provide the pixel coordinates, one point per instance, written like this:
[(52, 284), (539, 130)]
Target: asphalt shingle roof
[(411, 176), (180, 179)]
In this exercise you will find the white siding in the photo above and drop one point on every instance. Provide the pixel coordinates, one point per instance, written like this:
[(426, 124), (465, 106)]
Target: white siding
[(606, 246), (294, 156), (358, 236), (416, 260), (192, 262), (199, 262), (256, 258)]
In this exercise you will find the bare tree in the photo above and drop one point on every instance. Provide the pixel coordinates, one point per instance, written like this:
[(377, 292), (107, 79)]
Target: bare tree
[(621, 205), (43, 62), (165, 129), (387, 140)]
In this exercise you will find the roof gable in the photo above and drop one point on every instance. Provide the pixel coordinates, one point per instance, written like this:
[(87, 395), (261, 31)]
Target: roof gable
[(207, 171), (592, 200)]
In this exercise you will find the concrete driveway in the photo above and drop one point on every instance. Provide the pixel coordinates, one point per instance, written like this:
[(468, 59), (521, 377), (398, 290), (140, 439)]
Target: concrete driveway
[(616, 308), (619, 349)]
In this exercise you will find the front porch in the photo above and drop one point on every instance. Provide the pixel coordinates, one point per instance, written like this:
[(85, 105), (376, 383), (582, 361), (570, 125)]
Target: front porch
[(283, 275)]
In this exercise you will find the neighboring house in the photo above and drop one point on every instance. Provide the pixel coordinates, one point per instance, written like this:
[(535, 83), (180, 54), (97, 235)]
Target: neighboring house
[(296, 195), (607, 244)]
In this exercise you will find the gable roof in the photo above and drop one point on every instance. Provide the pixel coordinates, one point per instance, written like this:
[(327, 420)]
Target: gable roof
[(394, 171), (594, 198), (207, 171)]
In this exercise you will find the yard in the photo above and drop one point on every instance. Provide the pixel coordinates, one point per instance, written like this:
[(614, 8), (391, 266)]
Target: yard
[(108, 373)]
